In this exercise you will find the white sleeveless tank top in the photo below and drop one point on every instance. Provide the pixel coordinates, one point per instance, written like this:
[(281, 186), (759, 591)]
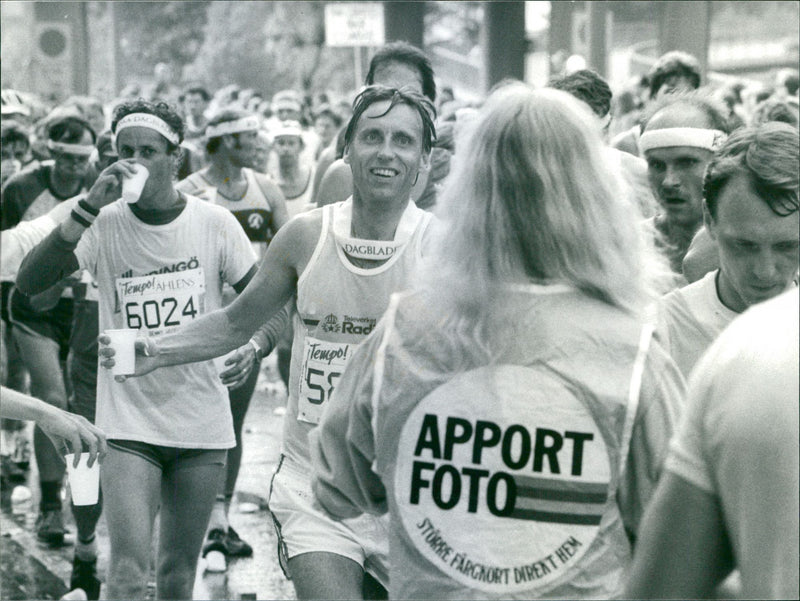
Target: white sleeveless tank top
[(338, 305)]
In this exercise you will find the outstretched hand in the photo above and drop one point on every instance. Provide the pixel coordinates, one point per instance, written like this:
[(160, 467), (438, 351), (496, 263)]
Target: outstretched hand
[(77, 433), (239, 366), (146, 352)]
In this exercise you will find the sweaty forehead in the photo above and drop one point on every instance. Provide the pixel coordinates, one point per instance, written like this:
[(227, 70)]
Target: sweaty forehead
[(741, 208), (679, 115)]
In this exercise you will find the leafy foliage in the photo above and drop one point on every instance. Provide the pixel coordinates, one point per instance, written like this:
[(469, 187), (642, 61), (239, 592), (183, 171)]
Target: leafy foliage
[(270, 46), (153, 32)]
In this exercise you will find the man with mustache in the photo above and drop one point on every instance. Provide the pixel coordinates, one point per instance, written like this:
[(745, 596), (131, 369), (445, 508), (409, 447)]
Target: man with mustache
[(680, 134)]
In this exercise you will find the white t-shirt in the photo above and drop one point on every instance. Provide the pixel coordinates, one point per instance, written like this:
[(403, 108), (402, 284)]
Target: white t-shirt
[(690, 319), (158, 277), (739, 440)]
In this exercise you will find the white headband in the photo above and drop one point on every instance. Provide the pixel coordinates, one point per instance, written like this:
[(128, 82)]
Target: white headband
[(286, 128), (710, 139), (76, 149), (150, 122), (232, 127)]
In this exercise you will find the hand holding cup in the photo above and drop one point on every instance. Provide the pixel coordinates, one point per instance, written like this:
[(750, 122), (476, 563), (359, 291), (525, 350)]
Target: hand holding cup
[(142, 347), (109, 184)]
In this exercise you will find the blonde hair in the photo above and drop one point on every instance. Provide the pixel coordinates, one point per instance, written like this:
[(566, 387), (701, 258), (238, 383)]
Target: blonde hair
[(531, 198)]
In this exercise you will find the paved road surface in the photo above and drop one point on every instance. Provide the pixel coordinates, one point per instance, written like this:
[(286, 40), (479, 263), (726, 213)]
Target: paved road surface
[(31, 570)]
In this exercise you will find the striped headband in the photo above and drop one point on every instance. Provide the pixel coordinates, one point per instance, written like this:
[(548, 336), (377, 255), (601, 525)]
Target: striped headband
[(710, 139), (83, 150), (150, 122), (232, 127)]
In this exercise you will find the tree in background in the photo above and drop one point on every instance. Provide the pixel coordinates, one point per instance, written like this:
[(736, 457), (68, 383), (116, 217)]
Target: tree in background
[(269, 46), (155, 32)]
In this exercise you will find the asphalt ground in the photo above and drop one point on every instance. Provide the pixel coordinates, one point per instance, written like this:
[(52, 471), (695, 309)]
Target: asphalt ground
[(30, 569)]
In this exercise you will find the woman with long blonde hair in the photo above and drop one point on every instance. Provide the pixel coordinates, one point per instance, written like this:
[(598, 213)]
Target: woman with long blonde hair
[(512, 411)]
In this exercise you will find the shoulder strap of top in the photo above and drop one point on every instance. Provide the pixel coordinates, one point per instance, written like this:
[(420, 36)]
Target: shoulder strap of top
[(634, 392)]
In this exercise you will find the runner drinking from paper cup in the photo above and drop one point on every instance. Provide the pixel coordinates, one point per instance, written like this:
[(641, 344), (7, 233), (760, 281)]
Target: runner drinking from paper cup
[(342, 262), (159, 263)]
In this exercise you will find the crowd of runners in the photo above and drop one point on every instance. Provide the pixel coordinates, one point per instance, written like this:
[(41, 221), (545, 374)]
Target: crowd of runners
[(509, 331)]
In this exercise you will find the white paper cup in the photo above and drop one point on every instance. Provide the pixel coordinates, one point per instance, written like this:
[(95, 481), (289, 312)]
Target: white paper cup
[(132, 186), (84, 482), (219, 362), (123, 342)]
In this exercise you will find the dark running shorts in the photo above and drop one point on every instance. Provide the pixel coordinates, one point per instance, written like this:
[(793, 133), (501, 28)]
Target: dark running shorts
[(170, 459), (55, 323)]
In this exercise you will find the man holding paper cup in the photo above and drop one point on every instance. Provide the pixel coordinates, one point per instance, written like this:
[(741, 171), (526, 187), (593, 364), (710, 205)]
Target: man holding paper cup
[(159, 262), (340, 263)]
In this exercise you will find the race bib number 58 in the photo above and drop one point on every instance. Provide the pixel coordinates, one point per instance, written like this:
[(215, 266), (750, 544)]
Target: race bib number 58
[(161, 302), (323, 363)]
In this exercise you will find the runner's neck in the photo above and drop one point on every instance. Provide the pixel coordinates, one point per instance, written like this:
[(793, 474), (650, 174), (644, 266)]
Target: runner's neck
[(228, 178), (295, 182), (158, 215), (223, 171), (372, 222)]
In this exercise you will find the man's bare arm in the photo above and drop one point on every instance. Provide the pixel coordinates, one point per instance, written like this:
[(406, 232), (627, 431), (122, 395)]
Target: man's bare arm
[(683, 551), (222, 331)]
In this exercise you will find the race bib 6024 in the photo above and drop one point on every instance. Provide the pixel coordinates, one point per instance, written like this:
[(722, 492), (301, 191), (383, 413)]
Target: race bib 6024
[(161, 302)]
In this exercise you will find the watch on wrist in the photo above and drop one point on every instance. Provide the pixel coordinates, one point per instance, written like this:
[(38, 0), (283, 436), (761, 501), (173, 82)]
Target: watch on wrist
[(257, 349)]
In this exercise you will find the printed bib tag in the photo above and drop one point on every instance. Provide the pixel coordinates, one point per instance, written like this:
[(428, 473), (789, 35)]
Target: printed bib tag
[(323, 363), (161, 302), (375, 250)]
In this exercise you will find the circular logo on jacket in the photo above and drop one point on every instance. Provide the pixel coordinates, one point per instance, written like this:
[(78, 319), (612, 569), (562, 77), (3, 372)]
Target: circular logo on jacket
[(502, 479)]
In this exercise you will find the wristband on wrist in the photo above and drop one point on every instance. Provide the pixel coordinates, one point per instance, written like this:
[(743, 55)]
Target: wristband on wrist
[(81, 218), (88, 208), (257, 349)]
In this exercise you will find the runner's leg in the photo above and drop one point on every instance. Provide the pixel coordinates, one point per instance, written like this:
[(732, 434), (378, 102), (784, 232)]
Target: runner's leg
[(82, 369), (47, 383), (41, 355), (240, 401), (187, 496), (131, 487), (321, 575), (83, 402)]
